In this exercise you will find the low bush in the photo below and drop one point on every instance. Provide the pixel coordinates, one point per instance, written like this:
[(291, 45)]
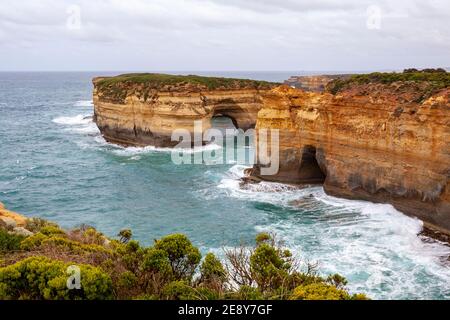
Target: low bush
[(35, 267), (9, 242), (435, 80), (43, 278), (182, 255)]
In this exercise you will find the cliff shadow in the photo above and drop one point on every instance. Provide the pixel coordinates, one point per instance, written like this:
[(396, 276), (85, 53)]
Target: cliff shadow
[(310, 171), (241, 117)]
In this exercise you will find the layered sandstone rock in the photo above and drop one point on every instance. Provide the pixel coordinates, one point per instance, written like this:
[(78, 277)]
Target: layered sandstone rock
[(383, 142), (145, 109), (316, 83)]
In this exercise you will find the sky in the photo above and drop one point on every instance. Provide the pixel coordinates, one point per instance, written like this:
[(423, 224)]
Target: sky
[(226, 35)]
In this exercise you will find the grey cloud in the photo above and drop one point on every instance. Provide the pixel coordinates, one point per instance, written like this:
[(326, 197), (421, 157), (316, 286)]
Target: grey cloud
[(224, 34)]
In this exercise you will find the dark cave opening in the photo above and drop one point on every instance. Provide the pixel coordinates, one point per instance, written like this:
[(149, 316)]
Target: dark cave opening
[(310, 171), (222, 122)]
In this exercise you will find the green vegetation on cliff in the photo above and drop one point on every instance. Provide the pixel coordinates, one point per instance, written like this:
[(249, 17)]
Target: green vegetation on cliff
[(115, 89), (41, 266), (435, 79), (159, 80)]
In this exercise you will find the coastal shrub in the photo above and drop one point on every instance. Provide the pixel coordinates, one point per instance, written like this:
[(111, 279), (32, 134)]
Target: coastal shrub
[(9, 242), (170, 269), (267, 266), (52, 231), (263, 237), (183, 256), (212, 269), (157, 261), (92, 236), (158, 80), (125, 235), (434, 79), (59, 241), (337, 280), (246, 293), (43, 278), (319, 291), (131, 255), (179, 290), (33, 241), (36, 224), (128, 280)]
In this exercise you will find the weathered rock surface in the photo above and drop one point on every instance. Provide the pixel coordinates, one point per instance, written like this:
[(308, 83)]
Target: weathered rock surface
[(315, 83), (11, 219), (144, 109), (13, 222), (386, 143)]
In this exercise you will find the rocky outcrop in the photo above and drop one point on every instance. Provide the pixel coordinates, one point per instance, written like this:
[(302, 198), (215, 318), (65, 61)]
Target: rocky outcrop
[(316, 83), (13, 222), (382, 141), (10, 218), (144, 109)]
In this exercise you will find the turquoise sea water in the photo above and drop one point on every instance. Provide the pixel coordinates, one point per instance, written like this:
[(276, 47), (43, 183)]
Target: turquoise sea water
[(55, 164)]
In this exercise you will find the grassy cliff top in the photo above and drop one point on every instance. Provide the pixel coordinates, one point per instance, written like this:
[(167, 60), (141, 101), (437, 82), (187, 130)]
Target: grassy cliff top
[(436, 79), (159, 80)]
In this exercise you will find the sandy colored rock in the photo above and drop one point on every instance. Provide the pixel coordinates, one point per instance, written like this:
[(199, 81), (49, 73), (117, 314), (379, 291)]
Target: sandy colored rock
[(22, 231), (377, 142), (140, 113), (316, 83), (11, 218)]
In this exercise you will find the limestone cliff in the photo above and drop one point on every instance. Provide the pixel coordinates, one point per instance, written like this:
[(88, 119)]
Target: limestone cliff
[(384, 141), (144, 109), (317, 83)]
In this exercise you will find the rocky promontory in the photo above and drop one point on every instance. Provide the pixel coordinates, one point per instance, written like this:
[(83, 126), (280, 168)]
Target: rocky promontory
[(379, 137), (316, 83), (144, 109), (382, 137)]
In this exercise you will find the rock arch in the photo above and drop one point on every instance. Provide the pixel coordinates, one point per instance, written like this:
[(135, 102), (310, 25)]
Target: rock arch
[(242, 117)]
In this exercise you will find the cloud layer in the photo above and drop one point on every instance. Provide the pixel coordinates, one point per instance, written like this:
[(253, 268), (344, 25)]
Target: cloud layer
[(223, 34)]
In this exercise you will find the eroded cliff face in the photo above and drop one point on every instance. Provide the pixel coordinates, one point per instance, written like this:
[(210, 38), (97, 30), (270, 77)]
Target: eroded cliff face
[(316, 83), (385, 143), (140, 113)]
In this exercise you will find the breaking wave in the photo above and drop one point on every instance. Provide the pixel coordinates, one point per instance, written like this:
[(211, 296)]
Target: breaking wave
[(84, 124), (132, 151), (84, 103), (379, 249)]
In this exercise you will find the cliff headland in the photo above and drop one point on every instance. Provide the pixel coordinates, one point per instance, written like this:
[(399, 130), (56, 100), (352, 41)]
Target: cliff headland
[(382, 137), (144, 109)]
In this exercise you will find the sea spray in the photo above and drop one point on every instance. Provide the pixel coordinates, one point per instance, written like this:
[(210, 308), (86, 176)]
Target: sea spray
[(375, 246)]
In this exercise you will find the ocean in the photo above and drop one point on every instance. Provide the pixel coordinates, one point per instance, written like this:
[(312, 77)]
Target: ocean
[(55, 164)]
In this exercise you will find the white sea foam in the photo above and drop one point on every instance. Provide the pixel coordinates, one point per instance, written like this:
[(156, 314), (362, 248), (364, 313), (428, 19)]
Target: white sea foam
[(131, 151), (84, 103), (81, 123), (80, 119), (375, 246)]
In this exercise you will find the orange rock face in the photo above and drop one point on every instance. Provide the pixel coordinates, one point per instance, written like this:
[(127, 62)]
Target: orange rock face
[(142, 114), (377, 142), (18, 219)]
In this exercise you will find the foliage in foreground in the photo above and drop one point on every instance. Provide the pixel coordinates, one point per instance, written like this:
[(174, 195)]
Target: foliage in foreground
[(36, 267)]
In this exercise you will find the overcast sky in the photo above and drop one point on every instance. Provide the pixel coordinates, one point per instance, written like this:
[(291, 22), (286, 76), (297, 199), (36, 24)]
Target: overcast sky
[(226, 35)]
